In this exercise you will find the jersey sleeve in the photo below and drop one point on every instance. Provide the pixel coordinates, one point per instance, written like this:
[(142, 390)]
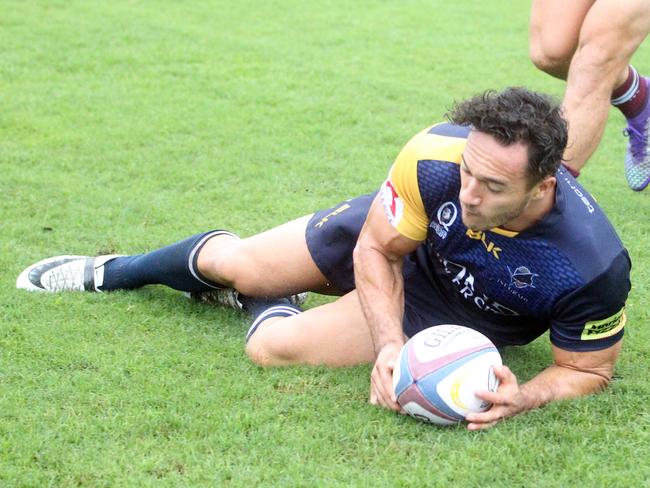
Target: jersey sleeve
[(593, 316), (400, 193)]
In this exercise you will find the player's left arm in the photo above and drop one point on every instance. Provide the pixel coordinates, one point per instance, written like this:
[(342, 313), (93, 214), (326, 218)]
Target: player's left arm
[(572, 374), (586, 335)]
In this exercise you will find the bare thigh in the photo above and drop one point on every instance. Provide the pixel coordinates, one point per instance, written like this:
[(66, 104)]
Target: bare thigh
[(335, 334), (616, 28), (610, 34), (554, 33), (273, 263)]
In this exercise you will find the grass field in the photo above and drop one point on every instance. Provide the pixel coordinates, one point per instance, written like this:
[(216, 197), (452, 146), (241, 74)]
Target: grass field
[(127, 125)]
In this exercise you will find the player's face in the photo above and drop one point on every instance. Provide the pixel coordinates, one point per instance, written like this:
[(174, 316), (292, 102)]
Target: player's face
[(494, 185)]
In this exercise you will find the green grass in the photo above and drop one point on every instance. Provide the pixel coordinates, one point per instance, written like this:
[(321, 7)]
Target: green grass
[(128, 125)]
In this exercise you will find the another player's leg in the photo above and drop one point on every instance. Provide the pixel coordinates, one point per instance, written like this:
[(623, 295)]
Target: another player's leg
[(610, 34), (554, 33), (335, 334), (633, 100)]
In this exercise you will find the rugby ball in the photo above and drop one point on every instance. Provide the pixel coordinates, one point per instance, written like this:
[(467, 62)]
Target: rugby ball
[(440, 368)]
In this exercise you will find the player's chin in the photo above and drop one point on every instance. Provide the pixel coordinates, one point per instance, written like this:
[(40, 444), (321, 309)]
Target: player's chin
[(473, 222)]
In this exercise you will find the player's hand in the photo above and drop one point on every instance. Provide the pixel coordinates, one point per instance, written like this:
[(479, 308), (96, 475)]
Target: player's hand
[(381, 379), (507, 401)]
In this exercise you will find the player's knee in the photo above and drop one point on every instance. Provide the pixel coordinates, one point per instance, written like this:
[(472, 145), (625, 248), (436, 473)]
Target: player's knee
[(213, 259), (267, 350), (551, 58), (233, 266), (595, 56), (259, 355)]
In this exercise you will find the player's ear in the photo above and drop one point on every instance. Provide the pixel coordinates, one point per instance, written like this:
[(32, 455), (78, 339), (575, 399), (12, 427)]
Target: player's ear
[(543, 187)]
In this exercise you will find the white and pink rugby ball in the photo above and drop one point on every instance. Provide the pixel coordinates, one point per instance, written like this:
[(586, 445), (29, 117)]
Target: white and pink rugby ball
[(440, 368)]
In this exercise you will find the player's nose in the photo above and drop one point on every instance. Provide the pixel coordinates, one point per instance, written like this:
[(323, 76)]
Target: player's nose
[(469, 193)]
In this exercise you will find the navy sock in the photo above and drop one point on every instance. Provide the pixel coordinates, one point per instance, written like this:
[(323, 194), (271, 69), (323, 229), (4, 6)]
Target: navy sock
[(173, 265), (262, 309)]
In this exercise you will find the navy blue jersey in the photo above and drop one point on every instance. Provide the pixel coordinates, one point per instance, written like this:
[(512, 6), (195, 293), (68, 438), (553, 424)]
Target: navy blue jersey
[(569, 272)]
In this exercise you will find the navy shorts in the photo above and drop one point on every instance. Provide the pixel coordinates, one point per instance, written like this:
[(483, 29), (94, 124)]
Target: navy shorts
[(331, 236)]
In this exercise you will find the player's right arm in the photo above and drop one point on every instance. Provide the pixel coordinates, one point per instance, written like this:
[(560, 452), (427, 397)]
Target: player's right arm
[(378, 259), (396, 224)]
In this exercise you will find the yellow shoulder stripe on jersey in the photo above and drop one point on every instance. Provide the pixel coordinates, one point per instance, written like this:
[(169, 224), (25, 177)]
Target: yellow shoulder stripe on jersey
[(400, 194), (440, 148), (408, 215)]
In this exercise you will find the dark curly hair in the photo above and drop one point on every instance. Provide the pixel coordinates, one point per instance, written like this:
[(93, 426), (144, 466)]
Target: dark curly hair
[(519, 115)]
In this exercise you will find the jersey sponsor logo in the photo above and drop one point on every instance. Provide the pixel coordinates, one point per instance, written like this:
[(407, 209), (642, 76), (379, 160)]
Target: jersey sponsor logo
[(463, 280), (598, 329), (333, 213), (447, 213), (490, 247), (521, 277), (393, 204)]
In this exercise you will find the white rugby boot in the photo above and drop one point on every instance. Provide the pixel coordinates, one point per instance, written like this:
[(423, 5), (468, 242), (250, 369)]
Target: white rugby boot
[(65, 273)]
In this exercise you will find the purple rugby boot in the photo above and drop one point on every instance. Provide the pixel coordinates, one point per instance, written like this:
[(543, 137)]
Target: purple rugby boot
[(637, 157)]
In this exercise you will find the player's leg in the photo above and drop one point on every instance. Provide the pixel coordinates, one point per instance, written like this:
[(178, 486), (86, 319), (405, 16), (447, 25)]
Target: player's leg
[(335, 334), (293, 257), (172, 265), (278, 258), (610, 34), (554, 33), (273, 263)]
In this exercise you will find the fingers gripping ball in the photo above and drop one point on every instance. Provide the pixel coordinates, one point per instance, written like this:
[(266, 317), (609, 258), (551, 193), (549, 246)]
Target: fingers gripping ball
[(438, 371)]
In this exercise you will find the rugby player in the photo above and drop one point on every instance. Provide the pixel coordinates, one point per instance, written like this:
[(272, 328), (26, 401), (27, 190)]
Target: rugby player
[(590, 43), (477, 224)]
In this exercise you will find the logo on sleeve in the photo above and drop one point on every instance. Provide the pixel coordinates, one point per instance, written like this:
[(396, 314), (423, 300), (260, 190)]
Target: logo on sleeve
[(599, 329), (393, 204)]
